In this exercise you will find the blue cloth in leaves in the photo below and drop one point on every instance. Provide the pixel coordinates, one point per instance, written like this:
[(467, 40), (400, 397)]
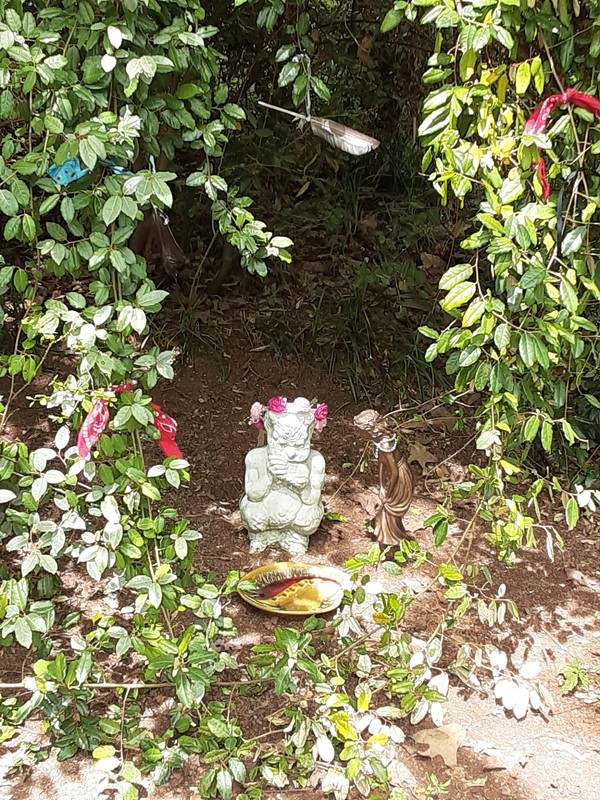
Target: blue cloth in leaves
[(72, 171), (68, 172)]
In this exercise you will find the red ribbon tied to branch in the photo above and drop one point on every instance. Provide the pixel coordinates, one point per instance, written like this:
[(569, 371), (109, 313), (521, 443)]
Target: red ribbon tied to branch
[(97, 420), (539, 119)]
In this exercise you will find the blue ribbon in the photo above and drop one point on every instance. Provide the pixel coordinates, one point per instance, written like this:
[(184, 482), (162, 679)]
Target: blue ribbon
[(72, 171)]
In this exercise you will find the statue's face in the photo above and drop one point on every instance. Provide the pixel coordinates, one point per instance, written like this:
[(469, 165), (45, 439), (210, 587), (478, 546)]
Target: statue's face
[(288, 430)]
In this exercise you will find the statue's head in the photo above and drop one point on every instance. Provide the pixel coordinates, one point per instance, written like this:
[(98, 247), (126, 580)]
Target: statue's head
[(291, 428)]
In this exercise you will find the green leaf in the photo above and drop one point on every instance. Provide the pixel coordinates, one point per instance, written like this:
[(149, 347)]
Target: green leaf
[(87, 153), (284, 53), (437, 121), (458, 296), (29, 227), (537, 72), (546, 436), (84, 667), (470, 355), (573, 241), (224, 783), (122, 416), (523, 78), (474, 312), (238, 769), (572, 513), (504, 37), (299, 89), (151, 298), (568, 431), (48, 204), (23, 633), (455, 275), (112, 209), (104, 751), (531, 428), (502, 336), (217, 727), (467, 64), (527, 349), (440, 532), (449, 572), (289, 73), (320, 88), (155, 594), (181, 547), (8, 204), (392, 19), (568, 295)]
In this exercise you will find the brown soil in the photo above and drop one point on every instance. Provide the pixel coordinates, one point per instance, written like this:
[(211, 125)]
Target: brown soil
[(535, 759)]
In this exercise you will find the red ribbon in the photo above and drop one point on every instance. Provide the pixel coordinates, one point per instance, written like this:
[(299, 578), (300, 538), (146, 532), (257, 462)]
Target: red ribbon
[(167, 427), (539, 119), (92, 428), (97, 419)]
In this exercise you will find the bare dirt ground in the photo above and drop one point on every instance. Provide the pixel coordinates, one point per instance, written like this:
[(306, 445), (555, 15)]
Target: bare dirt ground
[(554, 758)]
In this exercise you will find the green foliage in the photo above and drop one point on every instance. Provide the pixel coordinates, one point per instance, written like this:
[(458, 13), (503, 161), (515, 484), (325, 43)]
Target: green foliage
[(574, 676), (120, 83), (524, 304)]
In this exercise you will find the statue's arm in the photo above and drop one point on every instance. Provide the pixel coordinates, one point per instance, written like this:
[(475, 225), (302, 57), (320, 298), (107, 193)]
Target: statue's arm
[(312, 492), (258, 480)]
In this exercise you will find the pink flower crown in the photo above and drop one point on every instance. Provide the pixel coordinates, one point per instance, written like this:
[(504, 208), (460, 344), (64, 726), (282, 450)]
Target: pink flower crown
[(278, 405)]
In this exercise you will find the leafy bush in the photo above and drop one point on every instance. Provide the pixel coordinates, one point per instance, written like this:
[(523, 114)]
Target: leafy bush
[(93, 90), (524, 305)]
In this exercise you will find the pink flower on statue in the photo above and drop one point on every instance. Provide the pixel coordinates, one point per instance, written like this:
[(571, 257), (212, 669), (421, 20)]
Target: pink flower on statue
[(277, 404), (255, 413), (321, 412)]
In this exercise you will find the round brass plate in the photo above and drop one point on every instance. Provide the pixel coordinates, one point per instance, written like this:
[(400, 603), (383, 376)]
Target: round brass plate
[(295, 589)]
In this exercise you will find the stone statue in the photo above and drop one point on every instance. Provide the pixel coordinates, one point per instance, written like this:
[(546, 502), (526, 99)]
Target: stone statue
[(282, 504)]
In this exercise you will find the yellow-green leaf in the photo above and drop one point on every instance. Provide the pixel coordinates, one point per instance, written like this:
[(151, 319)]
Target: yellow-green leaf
[(546, 436), (523, 78), (467, 64), (537, 73), (568, 431), (531, 428), (568, 295), (455, 275), (474, 312), (458, 296)]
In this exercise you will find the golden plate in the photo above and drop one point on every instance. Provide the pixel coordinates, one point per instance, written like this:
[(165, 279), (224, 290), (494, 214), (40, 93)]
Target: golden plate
[(295, 589)]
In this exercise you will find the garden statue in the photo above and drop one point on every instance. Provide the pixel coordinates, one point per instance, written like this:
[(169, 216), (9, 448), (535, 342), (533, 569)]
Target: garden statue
[(396, 484), (282, 504)]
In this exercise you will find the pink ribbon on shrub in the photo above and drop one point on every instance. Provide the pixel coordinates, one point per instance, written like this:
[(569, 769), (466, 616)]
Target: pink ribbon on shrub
[(97, 419), (539, 119)]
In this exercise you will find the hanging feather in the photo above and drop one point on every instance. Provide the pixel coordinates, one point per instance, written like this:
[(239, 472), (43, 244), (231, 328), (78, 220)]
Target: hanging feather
[(334, 133), (172, 256), (342, 137), (154, 231)]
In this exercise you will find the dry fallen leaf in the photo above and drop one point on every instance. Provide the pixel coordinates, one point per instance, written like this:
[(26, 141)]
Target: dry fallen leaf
[(429, 261), (370, 502), (418, 452), (577, 576), (443, 741), (364, 50)]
